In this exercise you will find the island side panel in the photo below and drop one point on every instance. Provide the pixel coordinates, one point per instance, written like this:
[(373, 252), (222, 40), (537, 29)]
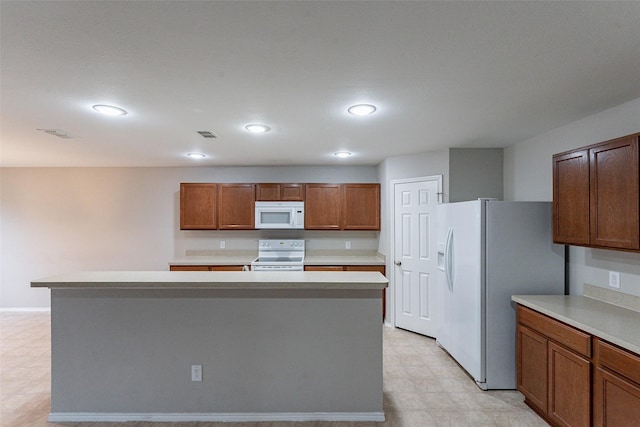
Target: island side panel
[(262, 351)]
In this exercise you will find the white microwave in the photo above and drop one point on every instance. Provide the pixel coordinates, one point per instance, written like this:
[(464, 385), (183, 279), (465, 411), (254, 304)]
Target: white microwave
[(279, 214)]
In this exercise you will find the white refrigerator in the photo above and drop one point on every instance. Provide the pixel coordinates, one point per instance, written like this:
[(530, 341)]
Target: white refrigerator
[(487, 251)]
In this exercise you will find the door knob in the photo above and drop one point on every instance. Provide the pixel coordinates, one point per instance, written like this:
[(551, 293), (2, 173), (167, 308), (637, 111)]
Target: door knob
[(398, 263)]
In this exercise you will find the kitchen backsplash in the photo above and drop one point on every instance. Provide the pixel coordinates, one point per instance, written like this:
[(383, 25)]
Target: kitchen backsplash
[(190, 243)]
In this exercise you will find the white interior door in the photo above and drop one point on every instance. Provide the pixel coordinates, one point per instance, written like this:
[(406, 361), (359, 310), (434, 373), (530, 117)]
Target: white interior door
[(415, 255)]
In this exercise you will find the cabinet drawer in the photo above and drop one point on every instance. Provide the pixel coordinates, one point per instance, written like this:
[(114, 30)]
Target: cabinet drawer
[(620, 361), (563, 334)]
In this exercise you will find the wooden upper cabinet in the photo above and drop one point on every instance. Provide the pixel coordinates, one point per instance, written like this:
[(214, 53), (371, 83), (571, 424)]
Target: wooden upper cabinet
[(236, 206), (596, 195), (323, 207), (361, 207), (198, 207), (571, 198), (614, 194), (280, 192)]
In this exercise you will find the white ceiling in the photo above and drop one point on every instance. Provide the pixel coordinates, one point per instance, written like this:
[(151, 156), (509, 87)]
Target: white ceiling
[(443, 74)]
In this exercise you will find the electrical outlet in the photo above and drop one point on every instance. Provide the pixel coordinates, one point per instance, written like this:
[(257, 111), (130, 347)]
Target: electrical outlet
[(347, 244), (223, 244), (614, 279), (196, 373)]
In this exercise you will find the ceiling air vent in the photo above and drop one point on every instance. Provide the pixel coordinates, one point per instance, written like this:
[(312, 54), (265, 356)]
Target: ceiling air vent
[(206, 134), (56, 132)]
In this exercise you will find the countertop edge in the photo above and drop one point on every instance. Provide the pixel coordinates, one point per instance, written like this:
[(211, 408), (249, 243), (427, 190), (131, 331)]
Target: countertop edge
[(539, 306), (214, 280)]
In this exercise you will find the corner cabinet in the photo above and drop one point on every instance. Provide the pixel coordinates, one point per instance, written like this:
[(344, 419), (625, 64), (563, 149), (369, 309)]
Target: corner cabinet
[(596, 196), (198, 206), (342, 207), (361, 207)]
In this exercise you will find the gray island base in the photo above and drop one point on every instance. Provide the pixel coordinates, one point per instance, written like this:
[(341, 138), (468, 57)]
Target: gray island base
[(271, 346)]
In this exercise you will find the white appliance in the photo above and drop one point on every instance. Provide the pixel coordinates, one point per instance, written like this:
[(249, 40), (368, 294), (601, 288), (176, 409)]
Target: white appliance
[(487, 251), (279, 255), (279, 215)]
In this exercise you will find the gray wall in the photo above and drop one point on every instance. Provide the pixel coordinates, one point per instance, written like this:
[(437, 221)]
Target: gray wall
[(265, 351), (475, 173), (528, 176), (56, 220)]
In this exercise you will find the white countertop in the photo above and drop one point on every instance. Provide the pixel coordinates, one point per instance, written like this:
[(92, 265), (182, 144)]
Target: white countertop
[(214, 280), (610, 322)]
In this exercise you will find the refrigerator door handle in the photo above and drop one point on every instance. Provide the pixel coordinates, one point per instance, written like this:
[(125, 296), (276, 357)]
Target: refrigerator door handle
[(447, 258)]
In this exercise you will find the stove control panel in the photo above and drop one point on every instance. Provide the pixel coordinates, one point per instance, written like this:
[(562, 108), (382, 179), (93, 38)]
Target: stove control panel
[(281, 245)]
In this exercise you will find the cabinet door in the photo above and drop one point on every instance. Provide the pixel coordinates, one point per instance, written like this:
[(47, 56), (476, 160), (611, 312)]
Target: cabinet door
[(616, 401), (323, 207), (236, 206), (268, 192), (569, 387), (616, 392), (198, 210), (614, 194), (532, 360), (280, 192), (571, 198), (361, 207), (292, 192)]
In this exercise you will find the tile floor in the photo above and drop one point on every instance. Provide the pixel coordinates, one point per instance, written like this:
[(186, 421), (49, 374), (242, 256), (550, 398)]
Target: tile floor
[(423, 386)]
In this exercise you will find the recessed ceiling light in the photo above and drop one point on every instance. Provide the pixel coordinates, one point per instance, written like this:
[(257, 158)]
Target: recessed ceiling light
[(257, 128), (196, 156), (109, 110), (361, 109), (342, 154)]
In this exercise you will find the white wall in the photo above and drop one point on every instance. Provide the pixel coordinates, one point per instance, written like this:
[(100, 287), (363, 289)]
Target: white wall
[(528, 176), (55, 220), (417, 165)]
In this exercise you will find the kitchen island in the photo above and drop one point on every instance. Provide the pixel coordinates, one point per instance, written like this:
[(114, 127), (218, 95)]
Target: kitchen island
[(269, 346)]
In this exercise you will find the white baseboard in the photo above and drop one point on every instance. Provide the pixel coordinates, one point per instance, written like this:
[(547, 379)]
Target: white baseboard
[(24, 309), (59, 417)]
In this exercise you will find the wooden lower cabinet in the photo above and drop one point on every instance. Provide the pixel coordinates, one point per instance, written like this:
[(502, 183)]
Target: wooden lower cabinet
[(323, 268), (569, 387), (379, 268), (205, 268), (556, 366), (533, 356), (555, 380), (616, 387)]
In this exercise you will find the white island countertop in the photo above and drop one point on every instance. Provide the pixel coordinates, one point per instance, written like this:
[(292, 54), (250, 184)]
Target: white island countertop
[(214, 280), (610, 322)]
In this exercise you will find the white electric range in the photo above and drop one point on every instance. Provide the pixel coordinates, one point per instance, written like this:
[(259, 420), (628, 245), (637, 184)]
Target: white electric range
[(279, 255)]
